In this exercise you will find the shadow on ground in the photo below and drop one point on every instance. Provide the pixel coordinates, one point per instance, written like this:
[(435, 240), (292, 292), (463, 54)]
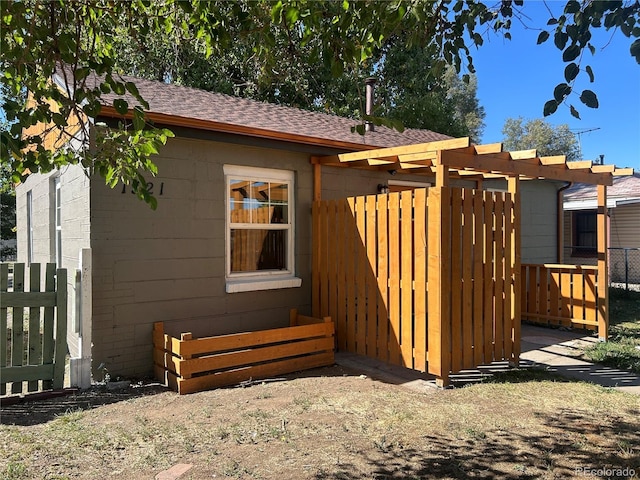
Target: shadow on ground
[(563, 451), (33, 412)]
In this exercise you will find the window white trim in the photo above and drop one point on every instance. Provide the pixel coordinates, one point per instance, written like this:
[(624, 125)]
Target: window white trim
[(57, 215), (267, 279)]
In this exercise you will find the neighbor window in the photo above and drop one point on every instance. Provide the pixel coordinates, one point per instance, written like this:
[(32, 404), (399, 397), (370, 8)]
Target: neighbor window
[(260, 228), (585, 240)]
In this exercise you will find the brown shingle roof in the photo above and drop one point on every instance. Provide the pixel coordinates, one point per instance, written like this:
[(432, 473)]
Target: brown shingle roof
[(214, 110), (623, 187)]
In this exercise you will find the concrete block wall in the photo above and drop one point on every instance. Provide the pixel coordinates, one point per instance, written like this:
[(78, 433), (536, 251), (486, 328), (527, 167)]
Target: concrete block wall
[(75, 221), (169, 264)]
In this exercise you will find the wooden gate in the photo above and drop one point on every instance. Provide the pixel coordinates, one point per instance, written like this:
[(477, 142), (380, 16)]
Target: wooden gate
[(33, 328), (425, 279)]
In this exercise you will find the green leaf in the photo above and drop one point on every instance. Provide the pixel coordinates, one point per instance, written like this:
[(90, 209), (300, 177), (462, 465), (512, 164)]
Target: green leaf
[(572, 6), (635, 50), (574, 112), (571, 72), (552, 21), (91, 109), (561, 91), (121, 106), (276, 12), (589, 99), (560, 40), (571, 53), (589, 71), (543, 37), (550, 107), (292, 15), (138, 119)]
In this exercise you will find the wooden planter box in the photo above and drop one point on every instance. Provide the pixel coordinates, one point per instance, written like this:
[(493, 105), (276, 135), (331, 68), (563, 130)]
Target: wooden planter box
[(190, 365)]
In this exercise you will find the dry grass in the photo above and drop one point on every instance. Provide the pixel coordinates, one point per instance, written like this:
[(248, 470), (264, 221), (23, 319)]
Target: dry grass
[(334, 425)]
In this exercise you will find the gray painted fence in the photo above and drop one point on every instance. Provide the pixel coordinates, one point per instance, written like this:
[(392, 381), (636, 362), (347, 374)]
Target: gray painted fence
[(33, 327)]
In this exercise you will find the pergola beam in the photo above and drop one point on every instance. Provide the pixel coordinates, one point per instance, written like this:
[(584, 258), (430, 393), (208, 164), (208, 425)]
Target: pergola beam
[(494, 164), (464, 160)]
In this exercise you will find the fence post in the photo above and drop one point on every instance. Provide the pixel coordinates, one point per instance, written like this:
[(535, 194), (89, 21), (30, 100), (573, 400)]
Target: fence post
[(61, 329), (513, 186), (438, 274), (80, 368), (603, 281)]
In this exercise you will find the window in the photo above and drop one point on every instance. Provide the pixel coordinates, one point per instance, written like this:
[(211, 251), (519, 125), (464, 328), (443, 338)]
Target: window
[(585, 241), (260, 229), (58, 221), (29, 227)]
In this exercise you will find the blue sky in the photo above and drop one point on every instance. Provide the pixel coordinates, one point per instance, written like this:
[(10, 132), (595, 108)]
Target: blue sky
[(517, 77)]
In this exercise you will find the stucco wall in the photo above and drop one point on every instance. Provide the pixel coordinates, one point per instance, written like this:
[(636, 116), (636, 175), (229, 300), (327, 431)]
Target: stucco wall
[(169, 264), (74, 191)]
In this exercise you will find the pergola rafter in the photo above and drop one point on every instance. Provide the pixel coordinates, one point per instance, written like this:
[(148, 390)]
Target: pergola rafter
[(464, 160)]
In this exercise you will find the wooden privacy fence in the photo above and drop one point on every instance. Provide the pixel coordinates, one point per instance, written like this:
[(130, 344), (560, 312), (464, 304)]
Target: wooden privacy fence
[(564, 295), (33, 325), (425, 279), (190, 364)]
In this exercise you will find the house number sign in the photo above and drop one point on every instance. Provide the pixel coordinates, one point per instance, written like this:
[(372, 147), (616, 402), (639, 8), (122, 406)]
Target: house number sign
[(150, 187)]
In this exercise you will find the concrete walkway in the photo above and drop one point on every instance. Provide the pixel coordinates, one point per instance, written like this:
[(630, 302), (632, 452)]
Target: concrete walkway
[(552, 349)]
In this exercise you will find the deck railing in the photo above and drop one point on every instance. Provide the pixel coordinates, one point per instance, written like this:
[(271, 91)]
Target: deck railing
[(563, 295)]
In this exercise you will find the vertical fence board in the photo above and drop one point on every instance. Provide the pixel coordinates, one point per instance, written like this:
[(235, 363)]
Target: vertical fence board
[(324, 260), (498, 263), (383, 278), (48, 323), (406, 278), (4, 339), (543, 294), (478, 256), (577, 280), (316, 245), (372, 282), (361, 273), (17, 328), (61, 328), (394, 278), (351, 257), (590, 297), (532, 294), (509, 292), (467, 279), (35, 345), (487, 320), (554, 294), (332, 260), (420, 278), (341, 318), (456, 279), (565, 294)]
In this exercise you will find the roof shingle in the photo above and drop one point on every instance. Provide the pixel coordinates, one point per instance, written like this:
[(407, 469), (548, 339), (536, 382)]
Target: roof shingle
[(188, 103)]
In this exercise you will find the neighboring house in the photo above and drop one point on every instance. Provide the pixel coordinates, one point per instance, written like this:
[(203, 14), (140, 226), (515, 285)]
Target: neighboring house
[(229, 247), (580, 236)]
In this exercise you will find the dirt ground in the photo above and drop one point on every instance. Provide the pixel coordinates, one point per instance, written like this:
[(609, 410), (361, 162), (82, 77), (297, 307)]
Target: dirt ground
[(329, 423)]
